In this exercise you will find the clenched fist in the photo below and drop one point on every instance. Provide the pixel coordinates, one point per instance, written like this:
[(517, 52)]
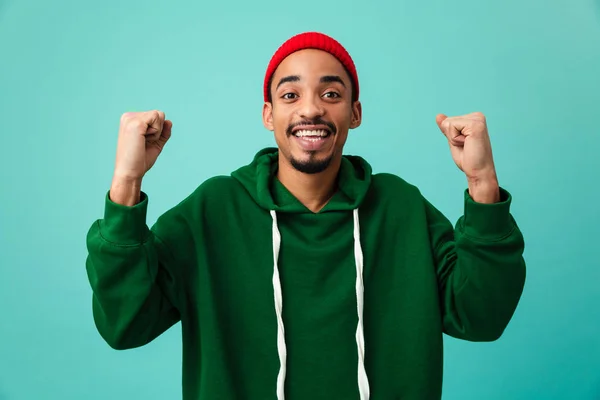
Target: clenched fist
[(472, 152), (142, 136)]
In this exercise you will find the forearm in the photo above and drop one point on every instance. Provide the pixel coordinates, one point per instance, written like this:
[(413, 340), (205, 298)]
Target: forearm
[(125, 191), (483, 290), (128, 274), (129, 306), (481, 268)]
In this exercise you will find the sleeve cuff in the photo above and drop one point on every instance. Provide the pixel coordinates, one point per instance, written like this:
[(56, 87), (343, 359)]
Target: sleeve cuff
[(488, 221), (125, 225)]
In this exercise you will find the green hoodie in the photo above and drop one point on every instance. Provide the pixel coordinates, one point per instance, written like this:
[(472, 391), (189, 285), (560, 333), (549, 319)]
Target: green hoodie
[(347, 303)]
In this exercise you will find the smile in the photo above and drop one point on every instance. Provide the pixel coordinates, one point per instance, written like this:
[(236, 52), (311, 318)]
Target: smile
[(312, 130), (312, 134), (312, 139)]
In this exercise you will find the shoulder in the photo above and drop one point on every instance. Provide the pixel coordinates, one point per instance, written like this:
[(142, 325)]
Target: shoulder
[(216, 188), (216, 185), (398, 201), (390, 191), (213, 191), (386, 184)]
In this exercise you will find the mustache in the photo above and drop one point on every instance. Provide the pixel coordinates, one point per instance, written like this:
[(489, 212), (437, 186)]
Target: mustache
[(314, 121)]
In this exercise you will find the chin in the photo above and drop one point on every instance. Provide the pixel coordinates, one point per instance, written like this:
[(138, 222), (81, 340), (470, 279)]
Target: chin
[(311, 162)]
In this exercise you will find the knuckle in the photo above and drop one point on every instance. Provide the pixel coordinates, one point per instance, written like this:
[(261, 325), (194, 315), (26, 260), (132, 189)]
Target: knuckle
[(134, 124), (130, 118), (140, 120)]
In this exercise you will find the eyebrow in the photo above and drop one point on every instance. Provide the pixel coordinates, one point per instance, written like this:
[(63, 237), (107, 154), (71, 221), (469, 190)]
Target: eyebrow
[(331, 79), (324, 79), (291, 78)]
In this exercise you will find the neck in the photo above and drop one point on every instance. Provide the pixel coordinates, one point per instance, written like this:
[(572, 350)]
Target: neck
[(312, 190)]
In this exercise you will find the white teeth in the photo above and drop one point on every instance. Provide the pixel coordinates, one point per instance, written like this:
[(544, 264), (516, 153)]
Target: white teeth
[(303, 133)]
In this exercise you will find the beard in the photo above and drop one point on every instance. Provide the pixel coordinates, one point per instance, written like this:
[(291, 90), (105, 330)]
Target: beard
[(312, 165)]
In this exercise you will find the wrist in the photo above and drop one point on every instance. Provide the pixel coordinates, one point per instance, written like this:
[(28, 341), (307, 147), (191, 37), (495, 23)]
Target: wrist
[(484, 190), (125, 190)]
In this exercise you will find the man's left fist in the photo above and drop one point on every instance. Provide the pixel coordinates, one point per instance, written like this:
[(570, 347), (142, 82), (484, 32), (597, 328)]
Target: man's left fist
[(472, 152)]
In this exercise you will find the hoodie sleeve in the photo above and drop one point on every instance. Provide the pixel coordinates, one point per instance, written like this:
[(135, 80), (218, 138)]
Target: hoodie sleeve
[(132, 276), (480, 268)]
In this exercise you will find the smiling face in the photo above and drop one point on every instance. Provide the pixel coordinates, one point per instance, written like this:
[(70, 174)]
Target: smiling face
[(311, 110)]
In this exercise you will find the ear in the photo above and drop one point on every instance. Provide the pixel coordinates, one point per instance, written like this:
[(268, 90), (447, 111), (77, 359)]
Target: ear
[(267, 116), (356, 115)]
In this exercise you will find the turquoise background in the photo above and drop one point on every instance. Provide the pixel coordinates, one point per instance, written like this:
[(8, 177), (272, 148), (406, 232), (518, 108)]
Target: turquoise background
[(69, 69)]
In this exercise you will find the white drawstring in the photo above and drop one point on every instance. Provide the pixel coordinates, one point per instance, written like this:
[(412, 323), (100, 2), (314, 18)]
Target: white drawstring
[(363, 382), (278, 307)]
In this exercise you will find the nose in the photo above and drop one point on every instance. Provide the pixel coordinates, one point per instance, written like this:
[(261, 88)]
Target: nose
[(311, 107)]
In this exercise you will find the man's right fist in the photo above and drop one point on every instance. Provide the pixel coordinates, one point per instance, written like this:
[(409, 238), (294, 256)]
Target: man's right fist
[(142, 136)]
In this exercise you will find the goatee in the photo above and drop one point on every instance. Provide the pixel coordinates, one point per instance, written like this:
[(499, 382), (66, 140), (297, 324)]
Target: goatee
[(312, 165)]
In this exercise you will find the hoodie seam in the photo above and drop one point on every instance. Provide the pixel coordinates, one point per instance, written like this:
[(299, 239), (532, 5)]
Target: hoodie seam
[(115, 244), (494, 239)]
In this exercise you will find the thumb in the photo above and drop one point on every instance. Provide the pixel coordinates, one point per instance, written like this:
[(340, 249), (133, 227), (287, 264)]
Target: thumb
[(439, 119)]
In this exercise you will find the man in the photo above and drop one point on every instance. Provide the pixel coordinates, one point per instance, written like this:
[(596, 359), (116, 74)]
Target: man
[(303, 275)]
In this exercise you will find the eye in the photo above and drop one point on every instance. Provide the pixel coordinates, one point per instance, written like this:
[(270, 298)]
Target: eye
[(332, 95), (289, 96)]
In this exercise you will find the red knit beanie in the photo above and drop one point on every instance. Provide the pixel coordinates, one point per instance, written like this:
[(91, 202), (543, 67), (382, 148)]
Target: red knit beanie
[(311, 40)]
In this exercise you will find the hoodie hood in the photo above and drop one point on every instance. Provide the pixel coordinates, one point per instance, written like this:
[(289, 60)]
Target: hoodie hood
[(260, 180)]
